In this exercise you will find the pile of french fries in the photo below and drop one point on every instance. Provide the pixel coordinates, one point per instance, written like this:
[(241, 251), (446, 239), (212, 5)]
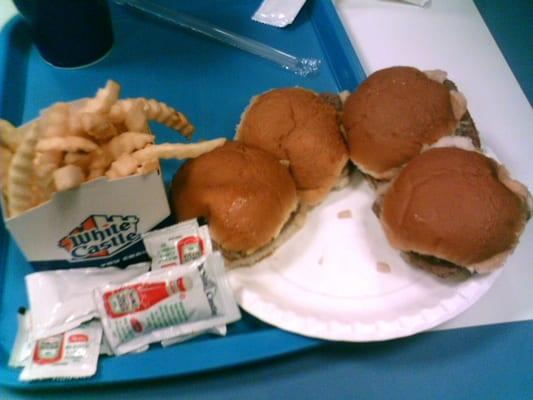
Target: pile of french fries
[(72, 143)]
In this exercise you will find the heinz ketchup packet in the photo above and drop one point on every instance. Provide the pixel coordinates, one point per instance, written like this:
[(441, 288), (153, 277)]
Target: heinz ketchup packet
[(178, 244), (166, 303), (61, 300), (72, 354)]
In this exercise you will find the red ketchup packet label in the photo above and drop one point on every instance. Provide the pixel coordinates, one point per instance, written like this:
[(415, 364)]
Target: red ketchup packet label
[(179, 244), (72, 354), (141, 296), (163, 304)]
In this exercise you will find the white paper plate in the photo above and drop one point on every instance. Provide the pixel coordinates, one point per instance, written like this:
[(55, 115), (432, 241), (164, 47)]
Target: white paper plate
[(325, 282)]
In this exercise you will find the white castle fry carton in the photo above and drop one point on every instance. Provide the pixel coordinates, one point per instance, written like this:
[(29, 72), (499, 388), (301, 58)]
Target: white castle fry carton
[(99, 223)]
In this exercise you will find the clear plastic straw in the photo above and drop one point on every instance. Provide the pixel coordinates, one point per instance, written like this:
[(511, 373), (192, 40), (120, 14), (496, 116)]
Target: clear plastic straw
[(300, 66)]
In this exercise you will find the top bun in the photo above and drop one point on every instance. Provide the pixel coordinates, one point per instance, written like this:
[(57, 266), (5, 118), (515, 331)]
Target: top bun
[(244, 192), (393, 114), (457, 205), (297, 125)]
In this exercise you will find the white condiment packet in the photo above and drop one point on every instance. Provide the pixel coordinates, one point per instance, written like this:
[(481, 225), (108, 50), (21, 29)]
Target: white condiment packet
[(61, 300), (165, 304), (278, 13), (105, 348), (72, 354), (178, 244)]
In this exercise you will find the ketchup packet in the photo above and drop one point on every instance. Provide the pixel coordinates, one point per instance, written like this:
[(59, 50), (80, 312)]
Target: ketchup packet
[(166, 303), (105, 348), (61, 300), (72, 354), (178, 244)]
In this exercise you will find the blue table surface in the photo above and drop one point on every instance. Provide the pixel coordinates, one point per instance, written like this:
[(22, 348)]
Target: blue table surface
[(490, 362)]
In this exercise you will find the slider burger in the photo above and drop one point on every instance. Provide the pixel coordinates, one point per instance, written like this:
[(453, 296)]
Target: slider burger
[(299, 126), (247, 196), (398, 110), (454, 212)]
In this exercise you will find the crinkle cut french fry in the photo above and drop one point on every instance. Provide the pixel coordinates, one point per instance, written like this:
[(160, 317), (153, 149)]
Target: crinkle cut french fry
[(117, 113), (100, 159), (45, 160), (125, 165), (68, 177), (67, 143), (74, 124), (79, 141), (98, 126), (82, 160), (5, 160), (135, 120), (19, 196), (38, 196), (154, 110), (54, 121), (166, 115), (44, 165), (95, 173), (148, 167), (127, 142), (104, 99), (177, 151), (9, 135)]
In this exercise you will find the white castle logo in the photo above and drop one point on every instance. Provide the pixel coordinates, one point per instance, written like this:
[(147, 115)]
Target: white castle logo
[(101, 236)]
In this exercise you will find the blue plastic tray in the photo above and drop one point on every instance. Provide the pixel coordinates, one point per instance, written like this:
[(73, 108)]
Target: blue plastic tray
[(209, 82)]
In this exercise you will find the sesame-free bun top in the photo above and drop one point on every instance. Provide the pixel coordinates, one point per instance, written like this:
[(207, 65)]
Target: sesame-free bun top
[(245, 193), (392, 114), (297, 125), (456, 205)]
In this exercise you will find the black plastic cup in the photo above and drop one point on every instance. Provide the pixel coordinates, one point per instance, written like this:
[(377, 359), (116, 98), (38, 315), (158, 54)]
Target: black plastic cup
[(69, 33)]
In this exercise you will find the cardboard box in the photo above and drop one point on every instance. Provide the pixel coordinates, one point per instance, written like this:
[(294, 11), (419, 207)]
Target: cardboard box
[(98, 224)]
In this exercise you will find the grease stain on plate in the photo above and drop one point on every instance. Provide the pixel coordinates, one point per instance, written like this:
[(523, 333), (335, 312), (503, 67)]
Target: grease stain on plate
[(344, 214), (383, 267)]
